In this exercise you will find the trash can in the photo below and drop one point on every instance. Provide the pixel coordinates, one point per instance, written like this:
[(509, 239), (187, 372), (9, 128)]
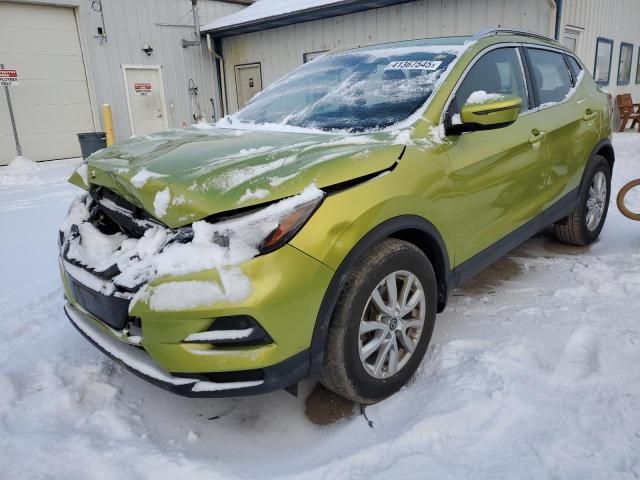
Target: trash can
[(92, 142)]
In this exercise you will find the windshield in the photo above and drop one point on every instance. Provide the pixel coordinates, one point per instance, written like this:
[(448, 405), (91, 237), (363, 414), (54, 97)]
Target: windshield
[(357, 90)]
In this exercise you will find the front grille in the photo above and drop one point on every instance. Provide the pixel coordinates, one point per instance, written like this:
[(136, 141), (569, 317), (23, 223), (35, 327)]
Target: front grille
[(114, 311), (129, 218)]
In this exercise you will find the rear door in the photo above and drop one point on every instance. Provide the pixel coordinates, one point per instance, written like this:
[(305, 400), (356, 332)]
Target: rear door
[(571, 112), (498, 174)]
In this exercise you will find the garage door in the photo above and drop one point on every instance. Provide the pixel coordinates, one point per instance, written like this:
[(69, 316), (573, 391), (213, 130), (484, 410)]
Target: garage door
[(51, 102)]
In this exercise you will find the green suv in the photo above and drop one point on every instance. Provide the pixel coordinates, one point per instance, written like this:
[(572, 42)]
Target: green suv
[(318, 231)]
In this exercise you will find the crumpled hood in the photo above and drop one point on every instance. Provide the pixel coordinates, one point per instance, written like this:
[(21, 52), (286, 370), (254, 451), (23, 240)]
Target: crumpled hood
[(180, 176)]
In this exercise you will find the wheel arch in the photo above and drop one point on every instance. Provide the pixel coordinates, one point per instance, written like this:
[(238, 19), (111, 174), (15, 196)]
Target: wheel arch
[(605, 149), (411, 228)]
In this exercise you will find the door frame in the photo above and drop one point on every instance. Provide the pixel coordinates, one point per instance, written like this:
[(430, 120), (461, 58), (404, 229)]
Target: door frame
[(235, 77), (163, 103)]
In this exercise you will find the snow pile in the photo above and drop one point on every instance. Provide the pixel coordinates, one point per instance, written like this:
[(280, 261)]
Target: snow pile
[(249, 194), (532, 373), (22, 163), (161, 202), (140, 179), (481, 96), (160, 251), (216, 335)]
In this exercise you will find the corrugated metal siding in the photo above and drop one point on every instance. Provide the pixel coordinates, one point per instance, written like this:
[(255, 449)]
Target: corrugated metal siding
[(130, 24), (617, 20), (281, 49)]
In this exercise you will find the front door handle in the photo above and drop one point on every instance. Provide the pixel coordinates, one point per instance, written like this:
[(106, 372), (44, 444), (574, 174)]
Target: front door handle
[(536, 136), (589, 115)]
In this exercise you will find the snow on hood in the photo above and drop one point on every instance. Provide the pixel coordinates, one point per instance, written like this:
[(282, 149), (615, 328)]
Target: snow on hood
[(181, 176)]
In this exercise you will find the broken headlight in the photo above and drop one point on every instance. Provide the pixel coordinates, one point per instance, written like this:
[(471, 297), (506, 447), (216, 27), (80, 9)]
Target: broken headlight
[(288, 226)]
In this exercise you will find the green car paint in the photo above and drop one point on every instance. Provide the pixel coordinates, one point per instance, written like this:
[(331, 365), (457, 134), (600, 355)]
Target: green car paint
[(217, 167), (474, 189)]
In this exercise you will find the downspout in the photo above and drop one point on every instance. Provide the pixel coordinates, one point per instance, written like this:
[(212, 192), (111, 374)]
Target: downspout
[(195, 43), (196, 22), (223, 78), (557, 6)]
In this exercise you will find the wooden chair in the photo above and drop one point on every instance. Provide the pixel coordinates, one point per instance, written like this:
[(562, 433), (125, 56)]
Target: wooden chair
[(628, 111)]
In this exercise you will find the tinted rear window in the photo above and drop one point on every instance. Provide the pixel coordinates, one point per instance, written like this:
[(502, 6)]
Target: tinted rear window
[(575, 66), (552, 79)]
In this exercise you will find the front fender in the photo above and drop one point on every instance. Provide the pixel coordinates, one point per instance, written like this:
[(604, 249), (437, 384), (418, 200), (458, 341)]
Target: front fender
[(419, 186), (351, 221)]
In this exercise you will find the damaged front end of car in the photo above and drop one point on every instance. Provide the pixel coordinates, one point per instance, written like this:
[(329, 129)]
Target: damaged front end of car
[(189, 308)]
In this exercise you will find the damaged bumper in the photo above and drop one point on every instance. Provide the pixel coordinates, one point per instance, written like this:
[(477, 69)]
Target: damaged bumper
[(222, 346), (138, 362)]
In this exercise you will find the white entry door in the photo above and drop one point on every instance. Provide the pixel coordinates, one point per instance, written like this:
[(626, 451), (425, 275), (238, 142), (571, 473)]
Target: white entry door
[(145, 99), (248, 82)]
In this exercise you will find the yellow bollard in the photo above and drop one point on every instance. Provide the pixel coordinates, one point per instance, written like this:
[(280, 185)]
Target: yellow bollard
[(107, 123)]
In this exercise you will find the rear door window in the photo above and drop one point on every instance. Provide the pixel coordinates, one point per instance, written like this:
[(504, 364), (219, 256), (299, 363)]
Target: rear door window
[(576, 68), (551, 76)]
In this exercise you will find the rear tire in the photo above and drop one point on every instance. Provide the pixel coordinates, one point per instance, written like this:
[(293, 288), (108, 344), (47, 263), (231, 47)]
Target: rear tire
[(584, 224), (382, 323)]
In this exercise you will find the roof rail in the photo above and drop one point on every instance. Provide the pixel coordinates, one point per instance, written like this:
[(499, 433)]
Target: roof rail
[(510, 31)]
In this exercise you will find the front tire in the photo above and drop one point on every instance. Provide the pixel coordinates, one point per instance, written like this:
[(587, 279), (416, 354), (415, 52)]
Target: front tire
[(382, 324), (584, 224)]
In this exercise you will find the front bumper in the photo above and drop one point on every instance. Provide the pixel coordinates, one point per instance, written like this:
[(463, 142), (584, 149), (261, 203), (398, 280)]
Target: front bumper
[(287, 287), (138, 362)]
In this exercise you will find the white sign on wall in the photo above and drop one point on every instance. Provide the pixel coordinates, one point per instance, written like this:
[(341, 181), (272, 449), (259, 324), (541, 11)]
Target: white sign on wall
[(8, 78), (142, 88)]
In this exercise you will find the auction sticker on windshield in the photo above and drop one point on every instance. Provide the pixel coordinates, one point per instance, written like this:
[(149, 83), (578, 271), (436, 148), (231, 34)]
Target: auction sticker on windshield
[(413, 65)]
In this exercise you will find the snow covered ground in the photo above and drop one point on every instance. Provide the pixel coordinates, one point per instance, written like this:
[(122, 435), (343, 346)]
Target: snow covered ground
[(533, 372)]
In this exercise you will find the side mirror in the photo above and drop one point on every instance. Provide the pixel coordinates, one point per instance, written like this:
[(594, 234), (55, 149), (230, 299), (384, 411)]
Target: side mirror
[(487, 112)]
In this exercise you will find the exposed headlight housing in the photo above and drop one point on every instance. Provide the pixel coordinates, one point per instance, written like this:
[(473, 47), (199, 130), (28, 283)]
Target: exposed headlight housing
[(289, 225), (261, 230)]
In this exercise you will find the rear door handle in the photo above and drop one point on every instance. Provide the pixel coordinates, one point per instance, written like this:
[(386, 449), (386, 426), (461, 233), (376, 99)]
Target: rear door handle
[(536, 136), (589, 115)]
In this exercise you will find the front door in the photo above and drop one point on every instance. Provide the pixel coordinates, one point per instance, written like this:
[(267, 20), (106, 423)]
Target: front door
[(248, 82), (498, 175), (145, 99)]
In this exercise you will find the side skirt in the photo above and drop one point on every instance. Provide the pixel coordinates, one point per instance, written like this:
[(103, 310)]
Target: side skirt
[(468, 269)]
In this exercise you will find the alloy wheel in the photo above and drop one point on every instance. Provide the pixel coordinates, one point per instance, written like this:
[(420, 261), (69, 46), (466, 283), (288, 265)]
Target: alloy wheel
[(596, 201), (391, 324)]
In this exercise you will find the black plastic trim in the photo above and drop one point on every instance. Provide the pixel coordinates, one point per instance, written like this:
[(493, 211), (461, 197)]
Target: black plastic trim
[(279, 376), (482, 260), (531, 78), (528, 78), (111, 310)]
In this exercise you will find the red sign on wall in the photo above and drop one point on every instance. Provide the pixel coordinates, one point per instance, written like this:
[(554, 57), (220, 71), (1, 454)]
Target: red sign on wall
[(142, 88), (8, 78)]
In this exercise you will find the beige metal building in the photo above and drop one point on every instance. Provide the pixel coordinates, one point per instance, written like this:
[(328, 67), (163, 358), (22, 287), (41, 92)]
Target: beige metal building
[(262, 42), (71, 56), (272, 37), (609, 29), (74, 55)]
